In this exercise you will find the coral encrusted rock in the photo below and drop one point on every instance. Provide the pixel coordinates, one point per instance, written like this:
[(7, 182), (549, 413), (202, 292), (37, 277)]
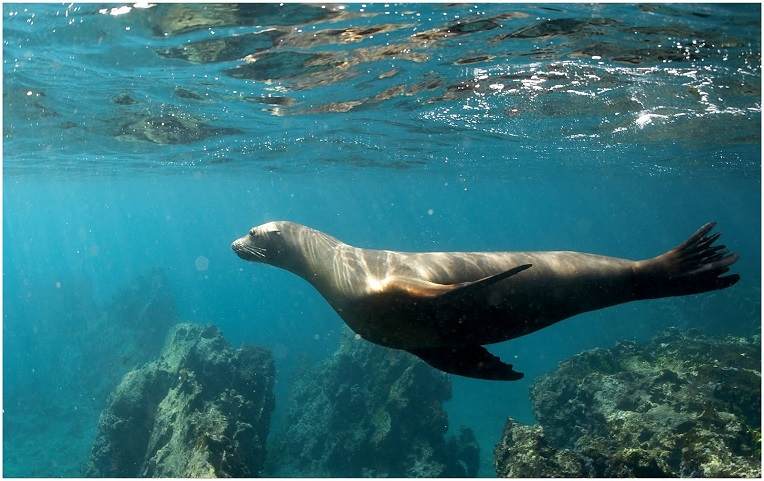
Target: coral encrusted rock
[(681, 405), (373, 412), (201, 410)]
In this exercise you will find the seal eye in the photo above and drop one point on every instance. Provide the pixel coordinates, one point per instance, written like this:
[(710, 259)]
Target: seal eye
[(252, 232)]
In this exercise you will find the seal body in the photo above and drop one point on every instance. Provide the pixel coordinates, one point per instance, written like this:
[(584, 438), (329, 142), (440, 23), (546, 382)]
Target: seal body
[(444, 306)]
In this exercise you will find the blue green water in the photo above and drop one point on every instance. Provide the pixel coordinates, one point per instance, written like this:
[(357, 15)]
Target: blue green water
[(612, 129)]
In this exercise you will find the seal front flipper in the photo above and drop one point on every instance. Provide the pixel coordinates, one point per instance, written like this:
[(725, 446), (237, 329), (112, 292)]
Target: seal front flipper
[(464, 289), (469, 361), (422, 288)]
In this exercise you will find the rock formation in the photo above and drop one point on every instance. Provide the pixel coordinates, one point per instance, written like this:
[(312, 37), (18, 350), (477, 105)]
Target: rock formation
[(681, 405), (371, 411), (201, 410)]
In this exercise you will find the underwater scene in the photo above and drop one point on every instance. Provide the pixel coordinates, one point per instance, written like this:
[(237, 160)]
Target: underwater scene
[(381, 240)]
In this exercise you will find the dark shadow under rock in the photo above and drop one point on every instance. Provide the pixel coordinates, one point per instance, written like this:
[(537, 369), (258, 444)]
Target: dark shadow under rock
[(682, 405), (201, 410), (371, 411)]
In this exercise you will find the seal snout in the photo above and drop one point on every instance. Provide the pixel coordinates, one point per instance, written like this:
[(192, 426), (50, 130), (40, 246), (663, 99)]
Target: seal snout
[(239, 248), (246, 248)]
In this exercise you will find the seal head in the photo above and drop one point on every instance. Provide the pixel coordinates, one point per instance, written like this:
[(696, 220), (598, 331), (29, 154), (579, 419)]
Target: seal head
[(264, 243)]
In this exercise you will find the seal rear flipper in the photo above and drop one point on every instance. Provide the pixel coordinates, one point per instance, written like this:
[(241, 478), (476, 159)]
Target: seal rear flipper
[(468, 361), (697, 265)]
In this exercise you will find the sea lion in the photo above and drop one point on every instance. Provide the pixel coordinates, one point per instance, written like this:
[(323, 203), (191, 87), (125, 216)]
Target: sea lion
[(444, 306)]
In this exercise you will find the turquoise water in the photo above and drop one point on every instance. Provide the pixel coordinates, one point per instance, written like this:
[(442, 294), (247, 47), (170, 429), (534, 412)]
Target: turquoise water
[(612, 129)]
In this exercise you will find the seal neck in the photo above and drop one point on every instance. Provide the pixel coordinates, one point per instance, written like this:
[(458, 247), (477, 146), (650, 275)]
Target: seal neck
[(311, 254)]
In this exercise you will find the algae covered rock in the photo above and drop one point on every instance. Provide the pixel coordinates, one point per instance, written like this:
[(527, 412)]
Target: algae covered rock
[(201, 410), (524, 452), (371, 411), (681, 405)]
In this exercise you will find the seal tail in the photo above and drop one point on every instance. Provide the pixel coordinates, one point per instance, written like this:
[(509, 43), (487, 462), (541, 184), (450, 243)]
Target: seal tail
[(697, 265)]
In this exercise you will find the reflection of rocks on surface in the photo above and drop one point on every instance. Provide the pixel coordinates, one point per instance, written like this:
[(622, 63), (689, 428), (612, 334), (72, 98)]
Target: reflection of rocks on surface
[(174, 19), (124, 99), (286, 64), (561, 26), (455, 30), (201, 410), (339, 35), (224, 49), (681, 405), (429, 83), (303, 70), (371, 411), (618, 53), (171, 128)]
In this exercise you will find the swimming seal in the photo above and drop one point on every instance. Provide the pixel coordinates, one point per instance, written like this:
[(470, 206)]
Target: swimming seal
[(444, 306)]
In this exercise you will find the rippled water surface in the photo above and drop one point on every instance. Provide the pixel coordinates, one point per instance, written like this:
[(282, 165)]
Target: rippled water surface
[(299, 87), (146, 137)]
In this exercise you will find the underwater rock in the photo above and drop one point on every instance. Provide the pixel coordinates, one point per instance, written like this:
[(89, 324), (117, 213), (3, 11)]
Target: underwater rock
[(682, 405), (524, 452), (170, 128), (201, 410), (371, 411)]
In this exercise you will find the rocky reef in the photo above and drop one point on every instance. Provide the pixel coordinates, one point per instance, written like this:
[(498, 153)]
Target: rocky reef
[(371, 411), (681, 405), (201, 410)]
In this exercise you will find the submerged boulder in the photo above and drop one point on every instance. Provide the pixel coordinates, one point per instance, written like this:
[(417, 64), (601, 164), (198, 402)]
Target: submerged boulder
[(371, 411), (201, 410), (681, 405)]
